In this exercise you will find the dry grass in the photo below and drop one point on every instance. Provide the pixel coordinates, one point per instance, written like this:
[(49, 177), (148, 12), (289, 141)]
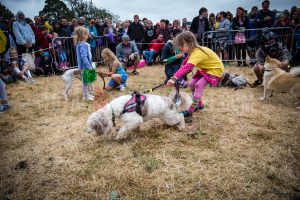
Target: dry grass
[(237, 148)]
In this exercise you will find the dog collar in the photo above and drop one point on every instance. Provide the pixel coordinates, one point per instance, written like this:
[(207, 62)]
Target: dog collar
[(113, 116), (268, 70)]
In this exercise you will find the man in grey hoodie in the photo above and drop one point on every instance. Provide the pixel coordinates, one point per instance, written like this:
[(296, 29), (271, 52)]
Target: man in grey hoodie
[(25, 37)]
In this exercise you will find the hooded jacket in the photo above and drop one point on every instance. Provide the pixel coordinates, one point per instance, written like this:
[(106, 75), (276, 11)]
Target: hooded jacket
[(23, 31)]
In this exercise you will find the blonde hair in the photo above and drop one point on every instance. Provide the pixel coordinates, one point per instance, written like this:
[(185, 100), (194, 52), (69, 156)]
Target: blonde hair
[(112, 56), (13, 49), (188, 38), (80, 34)]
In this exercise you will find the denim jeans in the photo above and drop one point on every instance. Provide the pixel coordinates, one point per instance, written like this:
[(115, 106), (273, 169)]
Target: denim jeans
[(149, 55)]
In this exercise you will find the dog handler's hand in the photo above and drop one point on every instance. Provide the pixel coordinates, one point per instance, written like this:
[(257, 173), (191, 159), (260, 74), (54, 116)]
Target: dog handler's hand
[(170, 82)]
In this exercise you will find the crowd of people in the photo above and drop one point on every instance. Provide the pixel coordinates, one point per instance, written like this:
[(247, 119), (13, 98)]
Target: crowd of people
[(48, 46)]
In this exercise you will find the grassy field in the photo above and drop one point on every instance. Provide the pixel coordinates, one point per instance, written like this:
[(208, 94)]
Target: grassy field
[(237, 148)]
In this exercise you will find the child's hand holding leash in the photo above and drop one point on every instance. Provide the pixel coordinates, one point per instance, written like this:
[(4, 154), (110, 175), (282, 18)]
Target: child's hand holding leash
[(171, 81)]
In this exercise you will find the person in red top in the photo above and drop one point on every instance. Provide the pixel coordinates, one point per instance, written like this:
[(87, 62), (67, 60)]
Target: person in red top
[(43, 38), (154, 48)]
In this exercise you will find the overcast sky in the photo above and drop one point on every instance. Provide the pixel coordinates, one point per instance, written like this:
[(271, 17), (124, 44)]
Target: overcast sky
[(156, 9)]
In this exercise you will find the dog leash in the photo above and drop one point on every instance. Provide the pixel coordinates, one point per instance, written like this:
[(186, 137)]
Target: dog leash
[(152, 89), (177, 98), (102, 77)]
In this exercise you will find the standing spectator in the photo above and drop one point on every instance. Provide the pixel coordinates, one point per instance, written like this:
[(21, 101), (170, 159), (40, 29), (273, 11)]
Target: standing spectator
[(119, 30), (25, 37), (3, 97), (128, 53), (44, 38), (265, 17), (176, 28), (294, 19), (56, 27), (145, 20), (212, 27), (36, 27), (112, 36), (280, 21), (222, 36), (157, 28), (149, 34), (287, 19), (184, 24), (99, 26), (164, 30), (74, 25), (230, 44), (212, 22), (81, 21), (126, 25), (251, 36), (65, 29), (240, 22), (136, 32), (200, 24), (154, 49), (92, 36)]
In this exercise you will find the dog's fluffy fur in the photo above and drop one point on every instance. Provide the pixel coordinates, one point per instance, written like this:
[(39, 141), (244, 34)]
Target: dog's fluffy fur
[(68, 77), (277, 80), (155, 107)]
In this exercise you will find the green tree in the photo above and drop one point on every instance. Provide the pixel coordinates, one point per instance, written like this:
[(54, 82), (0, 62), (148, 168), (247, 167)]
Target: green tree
[(89, 10), (55, 8), (5, 13)]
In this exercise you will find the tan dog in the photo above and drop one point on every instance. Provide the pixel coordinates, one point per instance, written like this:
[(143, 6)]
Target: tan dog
[(277, 80)]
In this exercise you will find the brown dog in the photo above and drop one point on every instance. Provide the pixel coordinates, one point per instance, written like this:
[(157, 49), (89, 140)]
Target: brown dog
[(277, 80)]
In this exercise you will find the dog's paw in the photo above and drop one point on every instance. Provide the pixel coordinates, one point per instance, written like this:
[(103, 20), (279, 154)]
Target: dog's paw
[(262, 98)]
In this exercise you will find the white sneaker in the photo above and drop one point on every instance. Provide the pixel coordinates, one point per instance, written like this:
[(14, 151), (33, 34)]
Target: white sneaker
[(122, 87), (90, 95), (88, 98), (31, 81)]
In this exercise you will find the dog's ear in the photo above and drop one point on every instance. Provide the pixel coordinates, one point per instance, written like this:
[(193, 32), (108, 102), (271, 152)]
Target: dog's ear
[(268, 59)]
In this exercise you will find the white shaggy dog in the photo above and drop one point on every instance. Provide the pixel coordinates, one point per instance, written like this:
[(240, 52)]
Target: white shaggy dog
[(155, 106), (68, 77)]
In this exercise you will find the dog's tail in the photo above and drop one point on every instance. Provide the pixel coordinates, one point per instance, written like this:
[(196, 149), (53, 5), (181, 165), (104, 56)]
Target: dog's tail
[(185, 100), (295, 71)]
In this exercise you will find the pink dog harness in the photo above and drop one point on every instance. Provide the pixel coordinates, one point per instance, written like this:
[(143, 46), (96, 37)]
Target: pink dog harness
[(135, 104)]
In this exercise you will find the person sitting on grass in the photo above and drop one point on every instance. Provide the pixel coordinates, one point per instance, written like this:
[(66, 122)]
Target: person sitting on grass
[(154, 48), (3, 97), (128, 54), (18, 67), (270, 46), (116, 71), (210, 68)]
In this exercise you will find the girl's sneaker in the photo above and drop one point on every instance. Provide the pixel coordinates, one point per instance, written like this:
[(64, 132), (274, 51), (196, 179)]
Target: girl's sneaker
[(88, 98), (122, 87), (187, 114), (4, 108), (199, 108)]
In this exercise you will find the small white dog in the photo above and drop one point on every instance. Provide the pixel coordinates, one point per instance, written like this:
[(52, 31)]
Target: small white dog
[(68, 77), (102, 121)]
